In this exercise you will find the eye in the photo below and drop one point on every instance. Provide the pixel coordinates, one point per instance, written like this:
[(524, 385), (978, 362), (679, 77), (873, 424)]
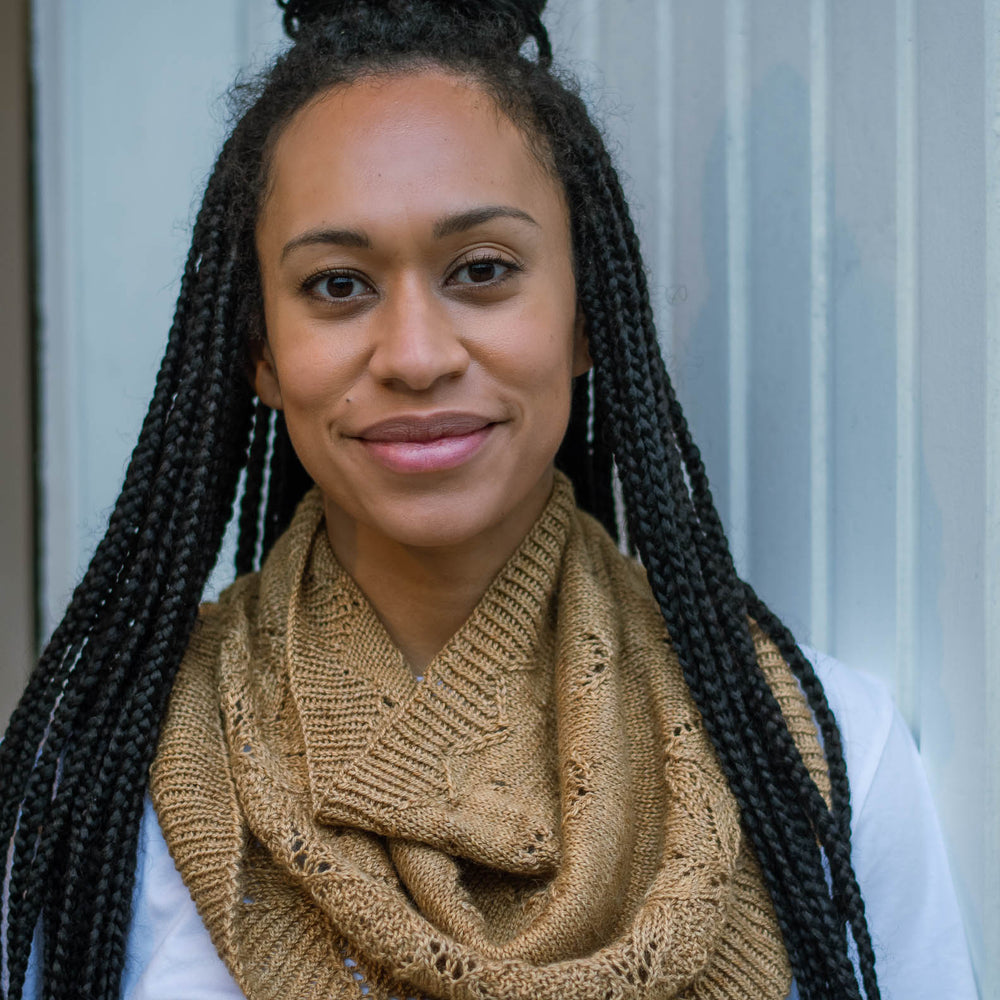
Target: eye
[(336, 286), (483, 271)]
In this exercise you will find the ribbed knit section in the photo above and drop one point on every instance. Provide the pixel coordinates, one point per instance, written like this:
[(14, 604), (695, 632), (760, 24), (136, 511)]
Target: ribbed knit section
[(543, 816)]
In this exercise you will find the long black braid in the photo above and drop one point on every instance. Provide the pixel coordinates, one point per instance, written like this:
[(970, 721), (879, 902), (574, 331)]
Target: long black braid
[(782, 809), (74, 762)]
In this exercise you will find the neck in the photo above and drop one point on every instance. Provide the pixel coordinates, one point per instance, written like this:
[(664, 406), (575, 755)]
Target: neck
[(423, 596)]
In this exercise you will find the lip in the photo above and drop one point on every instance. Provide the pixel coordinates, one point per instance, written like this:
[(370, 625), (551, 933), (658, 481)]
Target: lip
[(418, 443), (424, 427)]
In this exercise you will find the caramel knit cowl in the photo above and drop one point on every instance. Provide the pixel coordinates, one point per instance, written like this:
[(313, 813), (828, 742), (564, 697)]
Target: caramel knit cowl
[(542, 817)]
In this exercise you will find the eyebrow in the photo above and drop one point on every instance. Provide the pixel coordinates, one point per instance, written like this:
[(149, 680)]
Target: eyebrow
[(462, 221), (327, 237), (448, 226)]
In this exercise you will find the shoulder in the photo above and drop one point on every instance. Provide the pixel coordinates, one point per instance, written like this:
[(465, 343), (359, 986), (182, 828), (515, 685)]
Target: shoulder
[(866, 717), (897, 851), (169, 954)]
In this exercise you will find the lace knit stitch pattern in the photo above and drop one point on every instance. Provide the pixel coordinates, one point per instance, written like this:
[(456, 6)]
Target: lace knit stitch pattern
[(542, 817)]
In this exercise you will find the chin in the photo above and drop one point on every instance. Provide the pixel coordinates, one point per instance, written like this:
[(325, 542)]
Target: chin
[(438, 526), (494, 508)]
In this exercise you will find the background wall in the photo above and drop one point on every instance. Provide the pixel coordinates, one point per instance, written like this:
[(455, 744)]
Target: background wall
[(818, 188), (17, 576)]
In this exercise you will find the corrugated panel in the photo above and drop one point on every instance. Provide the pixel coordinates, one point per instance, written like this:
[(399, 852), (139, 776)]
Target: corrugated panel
[(58, 138), (862, 172), (819, 325), (952, 290), (736, 48), (907, 432), (990, 958)]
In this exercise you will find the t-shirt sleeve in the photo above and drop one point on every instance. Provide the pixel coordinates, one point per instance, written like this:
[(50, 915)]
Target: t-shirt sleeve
[(898, 850), (169, 955)]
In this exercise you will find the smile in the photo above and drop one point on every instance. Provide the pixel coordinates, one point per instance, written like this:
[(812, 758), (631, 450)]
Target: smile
[(434, 443)]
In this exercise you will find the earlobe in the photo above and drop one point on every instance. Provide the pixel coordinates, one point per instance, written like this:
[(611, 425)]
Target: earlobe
[(265, 380), (582, 361)]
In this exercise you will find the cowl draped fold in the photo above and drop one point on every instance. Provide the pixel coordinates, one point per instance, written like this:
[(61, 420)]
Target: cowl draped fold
[(540, 816)]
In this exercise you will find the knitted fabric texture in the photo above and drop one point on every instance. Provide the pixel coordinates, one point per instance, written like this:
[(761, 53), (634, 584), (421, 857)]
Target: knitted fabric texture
[(542, 816)]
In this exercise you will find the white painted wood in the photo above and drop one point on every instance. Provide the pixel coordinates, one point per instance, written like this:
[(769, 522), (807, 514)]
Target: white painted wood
[(130, 112), (779, 438), (907, 386), (819, 327), (952, 292), (737, 216), (663, 287), (990, 956), (58, 139), (697, 306), (862, 172), (590, 30)]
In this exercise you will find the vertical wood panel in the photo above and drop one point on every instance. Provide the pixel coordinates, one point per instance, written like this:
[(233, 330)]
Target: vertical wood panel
[(780, 300), (630, 72), (665, 222), (57, 133), (260, 32), (952, 345), (819, 327), (590, 30), (126, 134), (699, 311), (990, 970), (573, 31), (737, 233), (862, 177), (907, 387)]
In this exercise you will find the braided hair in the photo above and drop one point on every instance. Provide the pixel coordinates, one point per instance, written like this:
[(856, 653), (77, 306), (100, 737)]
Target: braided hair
[(74, 763)]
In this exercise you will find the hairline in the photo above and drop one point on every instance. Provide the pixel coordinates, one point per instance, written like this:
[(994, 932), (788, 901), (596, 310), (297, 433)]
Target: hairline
[(535, 140)]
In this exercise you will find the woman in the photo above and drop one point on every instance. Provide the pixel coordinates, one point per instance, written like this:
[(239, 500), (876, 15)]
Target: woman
[(447, 741)]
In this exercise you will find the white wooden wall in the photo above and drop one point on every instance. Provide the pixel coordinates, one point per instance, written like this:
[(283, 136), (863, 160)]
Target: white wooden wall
[(817, 183)]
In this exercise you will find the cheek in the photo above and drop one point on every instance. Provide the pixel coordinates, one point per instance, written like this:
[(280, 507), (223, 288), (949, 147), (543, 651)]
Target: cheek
[(313, 367), (313, 370), (544, 352), (535, 362)]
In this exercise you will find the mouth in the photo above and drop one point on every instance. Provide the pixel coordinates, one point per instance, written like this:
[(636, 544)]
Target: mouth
[(431, 443)]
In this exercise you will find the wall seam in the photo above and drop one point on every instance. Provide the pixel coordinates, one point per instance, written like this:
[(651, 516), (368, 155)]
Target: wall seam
[(907, 368), (990, 974), (57, 137), (665, 219), (737, 240), (819, 327)]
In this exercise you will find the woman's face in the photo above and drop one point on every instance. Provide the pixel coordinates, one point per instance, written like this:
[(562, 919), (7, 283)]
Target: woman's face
[(420, 307)]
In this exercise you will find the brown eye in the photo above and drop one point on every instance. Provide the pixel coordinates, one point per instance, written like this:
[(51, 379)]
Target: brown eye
[(483, 272), (336, 286), (340, 286)]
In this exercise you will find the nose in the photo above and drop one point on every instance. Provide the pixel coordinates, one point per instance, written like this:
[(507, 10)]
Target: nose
[(417, 343)]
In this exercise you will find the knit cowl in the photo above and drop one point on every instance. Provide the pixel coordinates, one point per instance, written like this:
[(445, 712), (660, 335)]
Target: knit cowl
[(541, 815)]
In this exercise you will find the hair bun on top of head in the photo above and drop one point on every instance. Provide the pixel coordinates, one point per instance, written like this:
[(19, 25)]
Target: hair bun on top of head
[(524, 15)]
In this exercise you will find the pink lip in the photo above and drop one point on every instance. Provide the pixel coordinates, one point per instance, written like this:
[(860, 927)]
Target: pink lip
[(432, 443)]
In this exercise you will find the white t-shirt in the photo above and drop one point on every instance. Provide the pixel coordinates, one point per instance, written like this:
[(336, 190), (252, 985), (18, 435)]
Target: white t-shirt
[(898, 856)]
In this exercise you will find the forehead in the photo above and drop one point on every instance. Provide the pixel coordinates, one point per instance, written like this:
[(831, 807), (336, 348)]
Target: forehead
[(421, 141)]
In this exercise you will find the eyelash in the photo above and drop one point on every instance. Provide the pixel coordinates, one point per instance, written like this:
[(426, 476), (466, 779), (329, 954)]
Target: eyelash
[(311, 283)]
